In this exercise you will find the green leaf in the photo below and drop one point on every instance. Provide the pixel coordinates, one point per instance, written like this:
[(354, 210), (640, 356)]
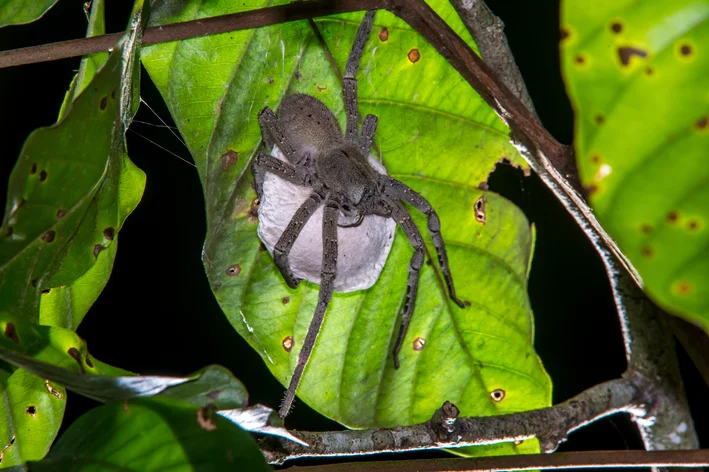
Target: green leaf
[(436, 135), (638, 75), (153, 434), (16, 12), (69, 194), (91, 63)]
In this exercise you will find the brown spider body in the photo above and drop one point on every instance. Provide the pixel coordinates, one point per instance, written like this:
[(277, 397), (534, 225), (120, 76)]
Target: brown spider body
[(342, 181)]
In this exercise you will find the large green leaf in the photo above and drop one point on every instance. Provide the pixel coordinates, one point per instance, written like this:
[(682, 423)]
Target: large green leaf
[(68, 195), (59, 356), (153, 434), (638, 75), (15, 12), (436, 135)]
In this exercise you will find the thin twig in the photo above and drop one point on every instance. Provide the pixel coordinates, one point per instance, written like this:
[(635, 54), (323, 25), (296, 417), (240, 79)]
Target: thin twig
[(550, 426), (565, 460)]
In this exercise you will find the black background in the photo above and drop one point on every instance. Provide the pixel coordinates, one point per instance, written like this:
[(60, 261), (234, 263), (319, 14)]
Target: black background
[(158, 316)]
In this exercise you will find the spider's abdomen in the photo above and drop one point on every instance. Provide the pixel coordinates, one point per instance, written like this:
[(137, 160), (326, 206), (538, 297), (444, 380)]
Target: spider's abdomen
[(309, 124)]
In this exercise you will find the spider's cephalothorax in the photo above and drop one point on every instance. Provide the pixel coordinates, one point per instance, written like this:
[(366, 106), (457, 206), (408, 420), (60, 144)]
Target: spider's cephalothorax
[(353, 191)]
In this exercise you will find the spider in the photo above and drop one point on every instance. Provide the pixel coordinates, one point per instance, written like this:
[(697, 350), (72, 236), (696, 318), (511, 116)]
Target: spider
[(353, 190)]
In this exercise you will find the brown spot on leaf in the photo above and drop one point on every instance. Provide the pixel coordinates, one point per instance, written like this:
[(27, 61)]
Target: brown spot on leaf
[(10, 230), (253, 210), (616, 27), (702, 123), (286, 300), (229, 159), (269, 80), (229, 455), (479, 207), (61, 214), (97, 249), (31, 410), (693, 225), (11, 333), (288, 343), (591, 189), (685, 50), (414, 55), (672, 217), (419, 343), (48, 237), (595, 159), (684, 288), (647, 252), (233, 270), (321, 89), (46, 291), (33, 169), (113, 94), (626, 52), (102, 104), (646, 228), (298, 75), (76, 355), (649, 71), (109, 233), (580, 59), (205, 419), (599, 119), (88, 361), (262, 248), (383, 34), (563, 33), (498, 395), (42, 175), (53, 390), (33, 283)]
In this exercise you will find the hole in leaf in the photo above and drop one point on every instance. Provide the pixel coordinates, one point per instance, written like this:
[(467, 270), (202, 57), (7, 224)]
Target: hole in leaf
[(31, 410), (53, 390), (498, 395), (479, 206)]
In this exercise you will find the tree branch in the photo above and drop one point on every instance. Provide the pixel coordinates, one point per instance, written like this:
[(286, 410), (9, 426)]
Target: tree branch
[(567, 460), (550, 426)]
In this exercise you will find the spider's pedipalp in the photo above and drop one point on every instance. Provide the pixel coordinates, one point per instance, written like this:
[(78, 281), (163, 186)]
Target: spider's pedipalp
[(350, 77), (291, 233), (327, 279), (413, 234), (396, 189)]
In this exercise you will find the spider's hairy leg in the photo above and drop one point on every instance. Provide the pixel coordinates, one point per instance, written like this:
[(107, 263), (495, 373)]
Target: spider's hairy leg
[(369, 127), (265, 163), (350, 78), (327, 279), (396, 189), (290, 234), (402, 217), (273, 133)]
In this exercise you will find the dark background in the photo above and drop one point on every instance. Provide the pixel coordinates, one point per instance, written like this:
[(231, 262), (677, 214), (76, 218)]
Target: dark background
[(158, 316)]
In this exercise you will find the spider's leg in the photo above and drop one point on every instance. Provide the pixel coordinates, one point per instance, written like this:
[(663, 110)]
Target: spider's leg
[(369, 127), (290, 234), (396, 189), (265, 163), (413, 234), (273, 133), (350, 78), (327, 278)]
